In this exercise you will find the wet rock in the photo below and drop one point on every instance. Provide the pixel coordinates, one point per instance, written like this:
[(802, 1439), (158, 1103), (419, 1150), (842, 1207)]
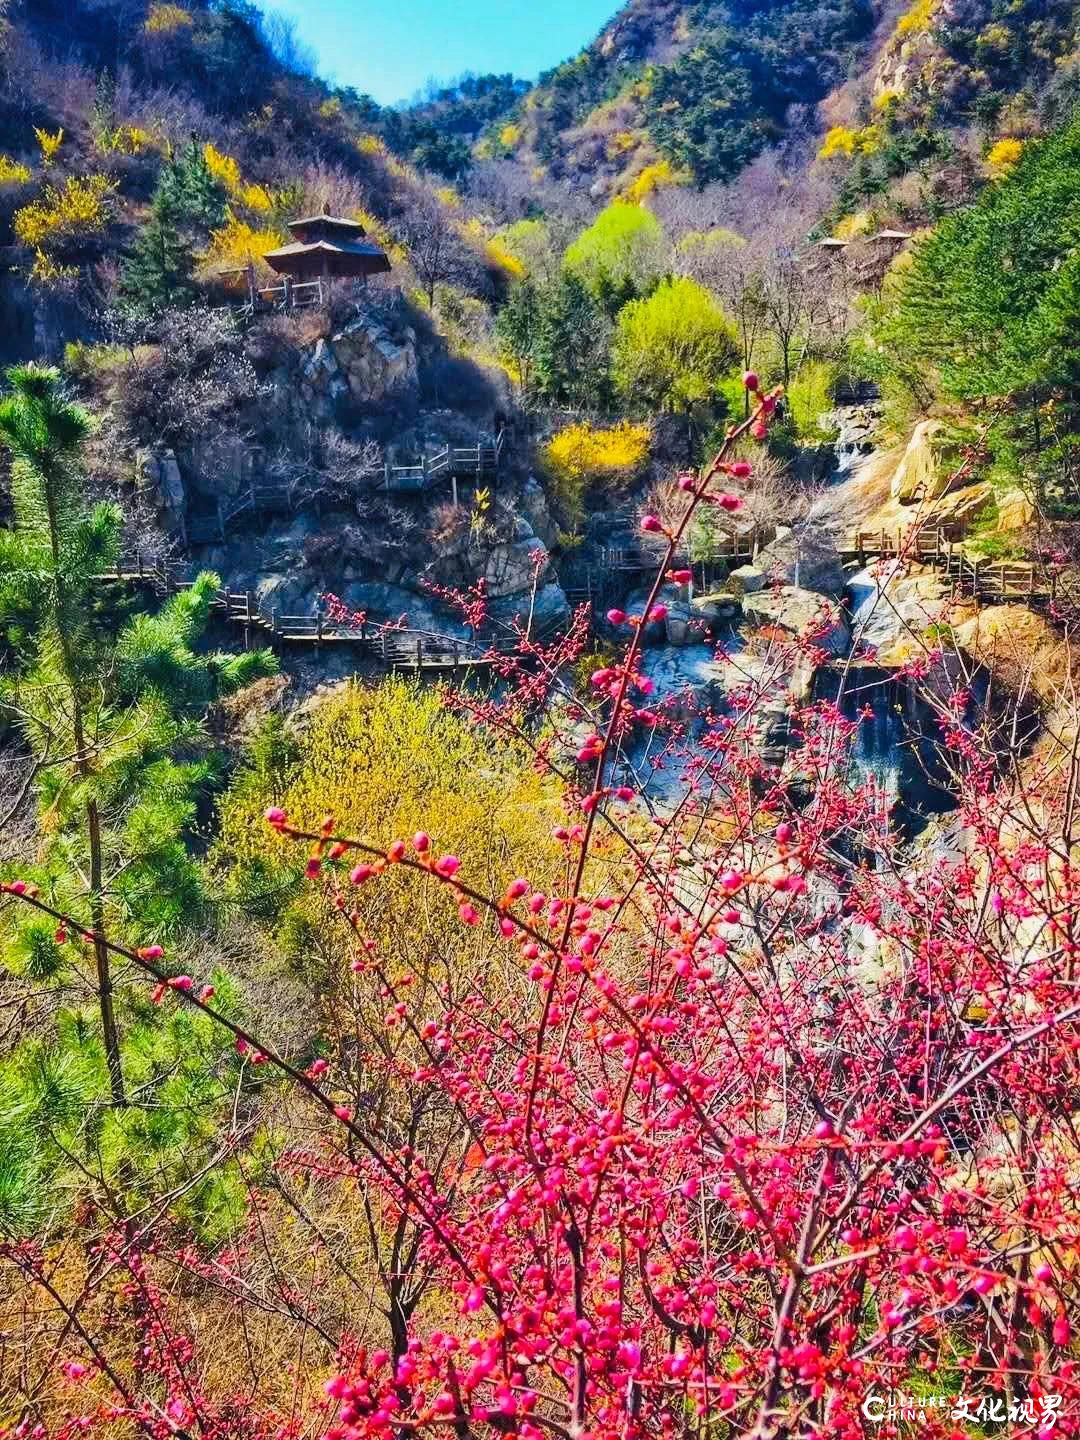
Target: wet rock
[(803, 614), (806, 558), (891, 610), (534, 507)]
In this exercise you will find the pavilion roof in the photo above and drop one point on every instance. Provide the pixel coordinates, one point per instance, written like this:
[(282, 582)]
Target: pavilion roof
[(341, 257), (335, 222)]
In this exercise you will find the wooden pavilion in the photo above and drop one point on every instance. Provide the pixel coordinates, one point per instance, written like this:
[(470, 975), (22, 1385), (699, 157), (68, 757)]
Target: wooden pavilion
[(326, 248)]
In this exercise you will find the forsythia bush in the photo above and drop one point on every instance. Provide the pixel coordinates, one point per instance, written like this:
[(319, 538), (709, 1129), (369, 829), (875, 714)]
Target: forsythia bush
[(389, 761), (74, 210), (165, 19), (650, 179), (12, 172), (842, 141), (237, 243), (226, 171), (1001, 158), (49, 142), (581, 454), (917, 18)]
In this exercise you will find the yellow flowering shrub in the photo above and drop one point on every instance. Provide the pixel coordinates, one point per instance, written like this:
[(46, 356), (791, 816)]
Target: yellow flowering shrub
[(449, 196), (510, 135), (886, 98), (842, 141), (223, 167), (385, 762), (582, 455), (330, 109), (166, 19), (125, 140), (650, 179), (49, 143), (72, 211), (1002, 156), (917, 18), (12, 172), (852, 226), (497, 253), (370, 145), (238, 244)]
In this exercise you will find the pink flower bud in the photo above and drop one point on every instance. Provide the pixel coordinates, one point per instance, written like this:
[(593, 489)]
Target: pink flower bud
[(312, 868), (742, 470), (784, 832), (150, 952), (652, 525), (731, 880), (318, 1067), (729, 502), (421, 842), (181, 982), (447, 865), (681, 577), (275, 815), (343, 1113), (687, 482), (759, 430), (517, 888), (468, 914), (617, 617), (751, 381), (1061, 1331), (397, 850), (658, 612), (361, 873), (206, 993)]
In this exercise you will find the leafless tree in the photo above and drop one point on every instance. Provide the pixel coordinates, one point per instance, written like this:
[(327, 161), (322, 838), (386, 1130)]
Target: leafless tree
[(437, 251), (331, 467)]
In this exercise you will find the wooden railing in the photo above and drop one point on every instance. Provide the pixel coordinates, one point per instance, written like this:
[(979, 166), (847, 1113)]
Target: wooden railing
[(450, 462), (396, 648), (929, 542), (741, 547)]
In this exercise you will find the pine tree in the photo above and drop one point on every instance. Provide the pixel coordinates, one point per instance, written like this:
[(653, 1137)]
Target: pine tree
[(104, 715), (158, 272), (188, 195)]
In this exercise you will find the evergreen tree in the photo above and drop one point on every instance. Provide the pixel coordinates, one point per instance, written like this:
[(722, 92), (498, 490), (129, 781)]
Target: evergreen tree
[(188, 195), (102, 714), (158, 272), (572, 345)]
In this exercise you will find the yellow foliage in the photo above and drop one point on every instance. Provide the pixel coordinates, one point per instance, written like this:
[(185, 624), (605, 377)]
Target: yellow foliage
[(49, 143), (1001, 157), (255, 197), (78, 208), (370, 145), (842, 141), (852, 226), (386, 762), (330, 109), (48, 274), (509, 135), (500, 256), (449, 196), (917, 18), (12, 172), (620, 143), (839, 141), (886, 98), (238, 244), (650, 179), (165, 19), (581, 454), (124, 140), (223, 167)]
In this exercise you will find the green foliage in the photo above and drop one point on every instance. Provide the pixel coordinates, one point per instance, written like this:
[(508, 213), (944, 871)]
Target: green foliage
[(623, 253), (189, 197), (723, 100), (992, 299), (158, 272), (672, 349), (557, 340)]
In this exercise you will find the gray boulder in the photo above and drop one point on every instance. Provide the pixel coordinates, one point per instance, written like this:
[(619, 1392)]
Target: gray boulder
[(806, 558), (747, 580), (802, 614)]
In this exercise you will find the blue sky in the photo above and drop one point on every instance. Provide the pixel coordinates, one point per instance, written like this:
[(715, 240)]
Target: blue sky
[(390, 48)]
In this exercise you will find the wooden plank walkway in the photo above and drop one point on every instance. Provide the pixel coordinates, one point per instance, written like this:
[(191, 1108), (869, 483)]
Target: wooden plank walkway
[(992, 582), (398, 649)]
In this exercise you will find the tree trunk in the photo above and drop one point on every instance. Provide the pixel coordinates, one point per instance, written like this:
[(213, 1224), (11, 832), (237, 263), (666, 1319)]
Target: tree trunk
[(110, 1033)]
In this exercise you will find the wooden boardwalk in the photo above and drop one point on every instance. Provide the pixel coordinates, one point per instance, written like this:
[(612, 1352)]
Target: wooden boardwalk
[(478, 463), (992, 582), (396, 648)]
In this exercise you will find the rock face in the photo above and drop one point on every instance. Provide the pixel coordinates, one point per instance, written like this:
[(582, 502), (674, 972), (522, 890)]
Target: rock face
[(802, 614), (806, 558), (1023, 649), (369, 360), (158, 477), (747, 580), (534, 507), (925, 472), (891, 609)]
